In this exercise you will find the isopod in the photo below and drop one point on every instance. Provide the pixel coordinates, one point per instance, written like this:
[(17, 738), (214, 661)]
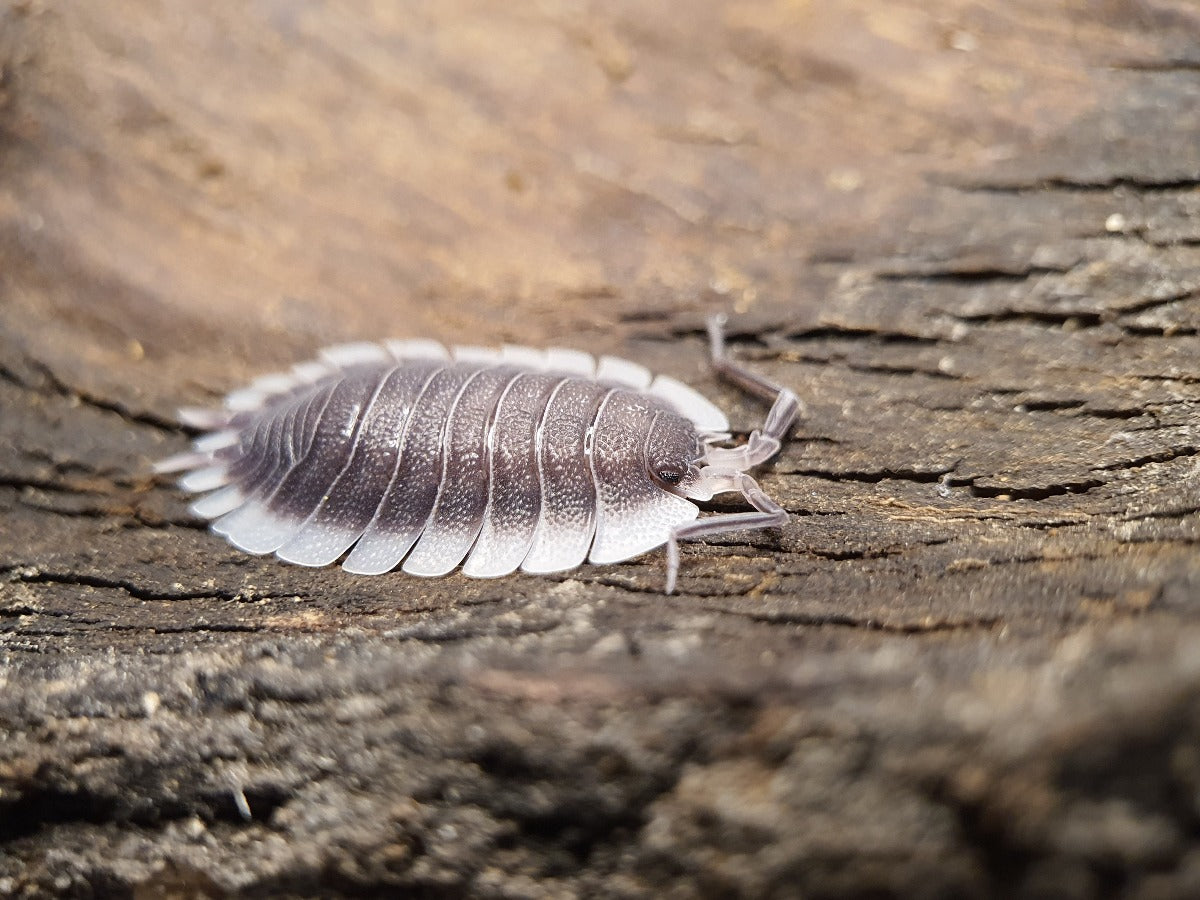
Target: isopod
[(405, 454)]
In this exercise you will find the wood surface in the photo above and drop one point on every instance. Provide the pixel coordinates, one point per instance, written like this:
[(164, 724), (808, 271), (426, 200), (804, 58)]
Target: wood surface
[(966, 233)]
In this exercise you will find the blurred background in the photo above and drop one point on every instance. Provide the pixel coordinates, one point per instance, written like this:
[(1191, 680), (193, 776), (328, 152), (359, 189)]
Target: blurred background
[(223, 185)]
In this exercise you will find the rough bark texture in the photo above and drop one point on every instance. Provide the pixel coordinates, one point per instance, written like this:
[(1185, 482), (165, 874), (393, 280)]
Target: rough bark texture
[(966, 233)]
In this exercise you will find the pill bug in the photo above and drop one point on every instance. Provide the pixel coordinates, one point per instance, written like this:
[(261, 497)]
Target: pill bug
[(405, 454)]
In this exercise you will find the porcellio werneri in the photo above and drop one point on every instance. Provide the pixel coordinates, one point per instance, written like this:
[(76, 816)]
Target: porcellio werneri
[(402, 452)]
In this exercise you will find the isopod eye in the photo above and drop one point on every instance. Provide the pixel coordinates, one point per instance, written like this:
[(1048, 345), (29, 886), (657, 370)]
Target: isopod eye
[(671, 451)]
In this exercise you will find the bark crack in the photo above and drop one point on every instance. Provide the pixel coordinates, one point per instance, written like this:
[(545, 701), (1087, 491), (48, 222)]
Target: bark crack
[(58, 387), (33, 575), (1146, 184), (842, 620)]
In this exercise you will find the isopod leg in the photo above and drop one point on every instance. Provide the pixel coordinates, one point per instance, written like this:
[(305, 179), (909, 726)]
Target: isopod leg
[(768, 514), (785, 405)]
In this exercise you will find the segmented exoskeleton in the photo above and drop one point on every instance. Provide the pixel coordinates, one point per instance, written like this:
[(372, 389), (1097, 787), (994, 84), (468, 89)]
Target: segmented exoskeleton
[(404, 453)]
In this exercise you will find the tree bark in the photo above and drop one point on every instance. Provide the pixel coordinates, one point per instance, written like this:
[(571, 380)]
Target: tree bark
[(966, 234)]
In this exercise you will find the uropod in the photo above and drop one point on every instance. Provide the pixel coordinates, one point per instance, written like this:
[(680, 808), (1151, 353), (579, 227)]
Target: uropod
[(405, 454)]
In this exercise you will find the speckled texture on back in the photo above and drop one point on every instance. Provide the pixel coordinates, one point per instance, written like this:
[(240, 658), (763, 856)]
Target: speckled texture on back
[(405, 455)]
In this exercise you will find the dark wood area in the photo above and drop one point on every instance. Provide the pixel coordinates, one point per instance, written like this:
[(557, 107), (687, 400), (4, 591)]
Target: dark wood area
[(966, 233)]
